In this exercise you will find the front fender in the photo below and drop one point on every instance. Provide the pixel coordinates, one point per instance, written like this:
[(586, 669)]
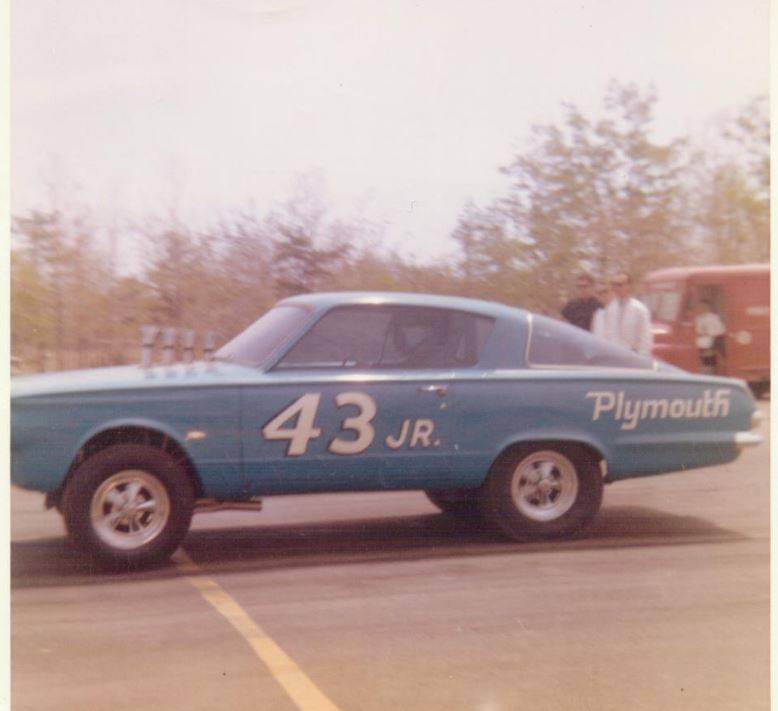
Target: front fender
[(135, 422), (48, 432), (215, 481)]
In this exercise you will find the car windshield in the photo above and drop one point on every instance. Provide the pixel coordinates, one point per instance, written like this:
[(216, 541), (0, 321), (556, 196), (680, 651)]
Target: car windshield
[(263, 338), (663, 300)]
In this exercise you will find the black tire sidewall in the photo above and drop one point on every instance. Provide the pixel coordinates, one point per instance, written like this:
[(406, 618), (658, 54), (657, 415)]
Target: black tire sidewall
[(81, 487), (458, 505), (498, 506)]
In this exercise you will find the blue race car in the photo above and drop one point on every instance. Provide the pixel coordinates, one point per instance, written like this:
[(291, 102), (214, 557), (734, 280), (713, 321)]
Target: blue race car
[(491, 410)]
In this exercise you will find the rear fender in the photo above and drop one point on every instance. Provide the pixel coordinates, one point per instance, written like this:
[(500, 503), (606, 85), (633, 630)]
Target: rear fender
[(550, 435)]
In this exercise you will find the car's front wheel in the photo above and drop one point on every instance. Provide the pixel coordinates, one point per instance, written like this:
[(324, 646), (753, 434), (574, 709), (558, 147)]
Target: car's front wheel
[(461, 503), (543, 491), (128, 506)]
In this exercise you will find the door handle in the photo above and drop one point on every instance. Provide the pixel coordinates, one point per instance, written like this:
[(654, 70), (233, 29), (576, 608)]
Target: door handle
[(440, 390)]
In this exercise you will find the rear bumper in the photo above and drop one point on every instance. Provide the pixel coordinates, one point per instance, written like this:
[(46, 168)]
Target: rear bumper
[(747, 439)]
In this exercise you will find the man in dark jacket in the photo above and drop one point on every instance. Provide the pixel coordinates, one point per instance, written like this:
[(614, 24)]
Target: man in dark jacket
[(579, 311)]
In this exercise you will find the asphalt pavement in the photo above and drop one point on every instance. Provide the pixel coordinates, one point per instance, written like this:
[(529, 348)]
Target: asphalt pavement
[(376, 601)]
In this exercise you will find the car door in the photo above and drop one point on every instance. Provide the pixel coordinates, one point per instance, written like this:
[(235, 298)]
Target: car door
[(362, 401)]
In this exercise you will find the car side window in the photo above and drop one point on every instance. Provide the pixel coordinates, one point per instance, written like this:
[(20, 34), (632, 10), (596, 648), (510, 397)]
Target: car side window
[(383, 337), (557, 344), (435, 338), (349, 336)]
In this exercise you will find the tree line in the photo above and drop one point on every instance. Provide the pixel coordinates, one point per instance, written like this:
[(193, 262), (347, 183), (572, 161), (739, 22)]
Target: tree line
[(588, 193)]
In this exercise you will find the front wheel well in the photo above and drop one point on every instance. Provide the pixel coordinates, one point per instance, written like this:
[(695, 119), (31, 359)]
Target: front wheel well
[(130, 435)]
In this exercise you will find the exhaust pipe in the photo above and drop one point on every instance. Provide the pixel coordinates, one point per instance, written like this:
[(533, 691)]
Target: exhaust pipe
[(169, 346), (148, 339), (189, 342)]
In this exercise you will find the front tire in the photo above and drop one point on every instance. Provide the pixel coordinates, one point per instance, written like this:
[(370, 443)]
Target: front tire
[(543, 491), (460, 503), (128, 506)]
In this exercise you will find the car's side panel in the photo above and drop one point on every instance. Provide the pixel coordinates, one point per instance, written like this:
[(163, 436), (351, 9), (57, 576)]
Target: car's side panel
[(640, 425), (346, 431), (204, 421)]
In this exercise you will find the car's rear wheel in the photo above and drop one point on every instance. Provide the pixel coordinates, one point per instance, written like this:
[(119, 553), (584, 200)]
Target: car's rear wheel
[(543, 491), (460, 503), (128, 506)]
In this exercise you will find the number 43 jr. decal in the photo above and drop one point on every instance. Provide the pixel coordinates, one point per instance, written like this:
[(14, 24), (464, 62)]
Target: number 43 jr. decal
[(304, 409)]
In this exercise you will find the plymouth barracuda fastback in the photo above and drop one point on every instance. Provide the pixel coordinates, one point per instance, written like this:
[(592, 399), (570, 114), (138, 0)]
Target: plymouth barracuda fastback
[(494, 412)]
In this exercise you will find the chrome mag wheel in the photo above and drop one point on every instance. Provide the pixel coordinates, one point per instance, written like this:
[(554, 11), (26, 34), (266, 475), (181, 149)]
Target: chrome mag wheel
[(129, 509), (544, 485)]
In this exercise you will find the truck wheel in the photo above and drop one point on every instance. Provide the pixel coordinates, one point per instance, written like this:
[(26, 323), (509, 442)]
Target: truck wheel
[(462, 504), (128, 506), (543, 491)]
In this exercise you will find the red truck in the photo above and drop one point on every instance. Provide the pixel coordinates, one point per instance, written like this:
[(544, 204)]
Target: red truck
[(739, 294)]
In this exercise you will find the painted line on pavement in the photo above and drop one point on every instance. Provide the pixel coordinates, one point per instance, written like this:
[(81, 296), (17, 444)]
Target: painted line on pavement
[(305, 694)]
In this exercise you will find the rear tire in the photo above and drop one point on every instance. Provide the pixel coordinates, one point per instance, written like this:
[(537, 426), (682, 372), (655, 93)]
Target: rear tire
[(128, 506), (543, 491)]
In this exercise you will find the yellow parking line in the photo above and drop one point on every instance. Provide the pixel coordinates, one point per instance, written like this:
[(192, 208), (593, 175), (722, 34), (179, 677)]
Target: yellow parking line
[(305, 694)]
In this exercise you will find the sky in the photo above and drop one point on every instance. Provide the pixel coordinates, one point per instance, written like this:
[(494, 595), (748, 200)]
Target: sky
[(404, 110)]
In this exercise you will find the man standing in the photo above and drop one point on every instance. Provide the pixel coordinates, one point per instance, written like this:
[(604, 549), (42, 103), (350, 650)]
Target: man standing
[(605, 295), (579, 311), (626, 320), (710, 342)]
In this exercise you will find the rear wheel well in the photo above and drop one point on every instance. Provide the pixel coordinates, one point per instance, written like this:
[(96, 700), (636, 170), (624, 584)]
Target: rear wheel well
[(130, 435), (572, 446)]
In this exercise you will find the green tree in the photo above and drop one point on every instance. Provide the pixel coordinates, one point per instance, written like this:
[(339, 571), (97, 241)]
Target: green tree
[(38, 281), (732, 185), (243, 285), (599, 195), (31, 319), (58, 288), (308, 248), (493, 264), (182, 275)]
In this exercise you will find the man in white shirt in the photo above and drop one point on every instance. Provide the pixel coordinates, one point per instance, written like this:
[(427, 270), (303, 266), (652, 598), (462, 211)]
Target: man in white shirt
[(625, 320), (605, 295)]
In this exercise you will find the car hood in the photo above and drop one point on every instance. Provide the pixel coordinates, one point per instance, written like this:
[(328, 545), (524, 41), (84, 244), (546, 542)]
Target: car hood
[(129, 377)]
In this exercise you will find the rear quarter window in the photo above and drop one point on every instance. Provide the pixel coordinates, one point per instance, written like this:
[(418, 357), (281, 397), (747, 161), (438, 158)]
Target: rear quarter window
[(556, 344)]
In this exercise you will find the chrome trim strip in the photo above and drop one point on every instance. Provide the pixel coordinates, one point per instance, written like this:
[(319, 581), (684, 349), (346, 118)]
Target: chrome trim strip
[(211, 505), (600, 368), (747, 439)]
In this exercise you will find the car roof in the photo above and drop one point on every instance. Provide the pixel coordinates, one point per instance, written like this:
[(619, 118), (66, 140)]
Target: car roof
[(324, 301)]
